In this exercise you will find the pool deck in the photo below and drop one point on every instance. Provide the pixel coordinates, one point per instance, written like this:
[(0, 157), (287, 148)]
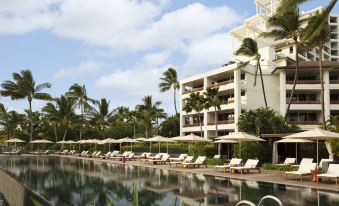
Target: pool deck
[(265, 175)]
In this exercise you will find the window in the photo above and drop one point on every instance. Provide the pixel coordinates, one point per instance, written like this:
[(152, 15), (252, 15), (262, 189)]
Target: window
[(291, 49), (242, 76)]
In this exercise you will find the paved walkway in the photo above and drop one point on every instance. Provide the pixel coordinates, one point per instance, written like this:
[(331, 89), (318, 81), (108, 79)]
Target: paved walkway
[(264, 176)]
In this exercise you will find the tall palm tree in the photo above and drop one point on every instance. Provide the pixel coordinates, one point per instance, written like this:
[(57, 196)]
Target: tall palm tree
[(24, 87), (147, 111), (80, 94), (317, 36), (249, 48), (10, 120), (51, 113), (197, 103), (170, 80), (159, 114), (102, 116), (212, 100)]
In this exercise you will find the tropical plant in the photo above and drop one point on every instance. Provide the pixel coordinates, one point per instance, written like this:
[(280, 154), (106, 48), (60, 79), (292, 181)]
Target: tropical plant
[(170, 80), (317, 34), (249, 48), (51, 113), (147, 112), (24, 87), (170, 127), (82, 100), (10, 120), (212, 100), (102, 116), (197, 103)]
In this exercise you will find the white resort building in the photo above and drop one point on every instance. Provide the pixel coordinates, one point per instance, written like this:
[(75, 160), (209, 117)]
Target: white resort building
[(236, 87)]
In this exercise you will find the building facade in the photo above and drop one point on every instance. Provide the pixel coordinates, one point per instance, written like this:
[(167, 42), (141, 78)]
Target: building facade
[(236, 86)]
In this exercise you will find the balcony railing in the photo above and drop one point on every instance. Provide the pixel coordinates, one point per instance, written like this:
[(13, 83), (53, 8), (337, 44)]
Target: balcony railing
[(221, 122), (305, 102), (304, 81), (192, 125), (334, 81), (221, 84), (334, 101), (304, 122), (193, 90)]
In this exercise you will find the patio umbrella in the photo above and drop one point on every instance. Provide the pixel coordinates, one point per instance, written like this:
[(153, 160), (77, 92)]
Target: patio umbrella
[(314, 134), (127, 140), (88, 141), (190, 139), (228, 142), (141, 139), (159, 139), (15, 140), (241, 137), (296, 141), (108, 141), (41, 141)]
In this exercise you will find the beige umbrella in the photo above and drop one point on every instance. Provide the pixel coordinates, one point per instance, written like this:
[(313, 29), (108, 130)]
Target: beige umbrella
[(141, 139), (190, 139), (296, 141), (127, 140), (108, 141), (41, 141), (314, 134), (159, 139), (14, 140), (241, 137)]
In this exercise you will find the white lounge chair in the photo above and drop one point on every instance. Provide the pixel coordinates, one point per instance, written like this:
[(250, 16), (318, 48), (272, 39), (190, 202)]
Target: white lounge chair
[(332, 172), (216, 156), (251, 164), (198, 162), (288, 161), (180, 158), (163, 160), (304, 160), (304, 169), (130, 156), (187, 159), (233, 163)]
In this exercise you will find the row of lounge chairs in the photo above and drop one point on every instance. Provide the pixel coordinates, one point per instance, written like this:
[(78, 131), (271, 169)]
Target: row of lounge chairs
[(13, 152), (235, 166), (46, 152)]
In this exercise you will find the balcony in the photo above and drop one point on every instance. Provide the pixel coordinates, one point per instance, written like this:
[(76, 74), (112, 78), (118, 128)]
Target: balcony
[(334, 81), (222, 122), (304, 122), (192, 125), (334, 101), (304, 82), (193, 90), (305, 101), (220, 84)]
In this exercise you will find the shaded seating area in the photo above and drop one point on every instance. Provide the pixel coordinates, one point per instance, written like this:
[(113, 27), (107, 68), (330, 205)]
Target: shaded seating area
[(233, 163), (304, 170)]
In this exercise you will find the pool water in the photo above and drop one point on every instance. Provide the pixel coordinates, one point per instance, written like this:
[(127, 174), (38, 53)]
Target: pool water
[(69, 181)]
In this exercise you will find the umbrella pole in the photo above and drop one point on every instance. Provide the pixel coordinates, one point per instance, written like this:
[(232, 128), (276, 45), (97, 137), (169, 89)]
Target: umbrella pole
[(167, 147), (159, 147), (228, 151), (296, 152), (317, 152)]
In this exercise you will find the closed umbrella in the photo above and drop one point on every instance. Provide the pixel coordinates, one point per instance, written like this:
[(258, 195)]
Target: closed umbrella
[(314, 134), (241, 137), (296, 141), (191, 138), (159, 139)]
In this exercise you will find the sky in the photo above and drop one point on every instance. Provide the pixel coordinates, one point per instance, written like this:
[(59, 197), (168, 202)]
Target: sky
[(117, 48)]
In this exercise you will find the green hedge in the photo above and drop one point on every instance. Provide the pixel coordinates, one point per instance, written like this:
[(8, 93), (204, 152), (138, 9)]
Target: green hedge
[(251, 150), (270, 166), (215, 161)]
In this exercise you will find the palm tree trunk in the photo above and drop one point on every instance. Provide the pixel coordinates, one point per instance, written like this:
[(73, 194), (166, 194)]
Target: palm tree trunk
[(200, 124), (295, 79), (55, 133), (30, 123), (216, 121), (82, 119), (64, 137), (146, 129), (175, 100), (322, 98), (262, 84)]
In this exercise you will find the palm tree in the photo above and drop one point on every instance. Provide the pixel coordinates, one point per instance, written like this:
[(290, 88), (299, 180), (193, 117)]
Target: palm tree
[(147, 112), (51, 113), (249, 48), (197, 103), (10, 120), (24, 87), (80, 94), (159, 114), (102, 116), (212, 100), (170, 80), (317, 36)]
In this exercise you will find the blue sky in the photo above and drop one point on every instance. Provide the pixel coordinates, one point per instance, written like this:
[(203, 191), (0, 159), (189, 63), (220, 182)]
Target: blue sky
[(117, 48)]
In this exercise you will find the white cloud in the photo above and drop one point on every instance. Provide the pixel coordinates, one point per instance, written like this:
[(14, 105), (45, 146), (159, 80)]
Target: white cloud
[(85, 68), (156, 58), (211, 51)]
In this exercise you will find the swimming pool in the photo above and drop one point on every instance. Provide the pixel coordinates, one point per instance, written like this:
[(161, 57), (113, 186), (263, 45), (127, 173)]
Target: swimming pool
[(70, 181)]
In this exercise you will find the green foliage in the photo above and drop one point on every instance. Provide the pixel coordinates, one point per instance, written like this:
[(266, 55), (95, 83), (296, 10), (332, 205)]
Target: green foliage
[(212, 161), (264, 121), (173, 148), (135, 195), (250, 150), (35, 201), (202, 149), (270, 166), (170, 127)]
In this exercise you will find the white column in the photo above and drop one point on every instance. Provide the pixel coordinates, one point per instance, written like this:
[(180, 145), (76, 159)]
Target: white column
[(282, 87), (237, 95), (204, 127), (180, 109), (327, 95)]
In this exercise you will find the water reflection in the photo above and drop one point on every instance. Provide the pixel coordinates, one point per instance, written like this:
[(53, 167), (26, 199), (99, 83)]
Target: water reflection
[(67, 181)]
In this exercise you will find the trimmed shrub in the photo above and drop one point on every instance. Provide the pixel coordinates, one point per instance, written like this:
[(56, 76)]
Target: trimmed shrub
[(214, 161), (250, 150), (270, 166), (202, 149)]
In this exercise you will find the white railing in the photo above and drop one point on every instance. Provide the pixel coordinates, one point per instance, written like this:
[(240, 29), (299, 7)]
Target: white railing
[(267, 197)]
